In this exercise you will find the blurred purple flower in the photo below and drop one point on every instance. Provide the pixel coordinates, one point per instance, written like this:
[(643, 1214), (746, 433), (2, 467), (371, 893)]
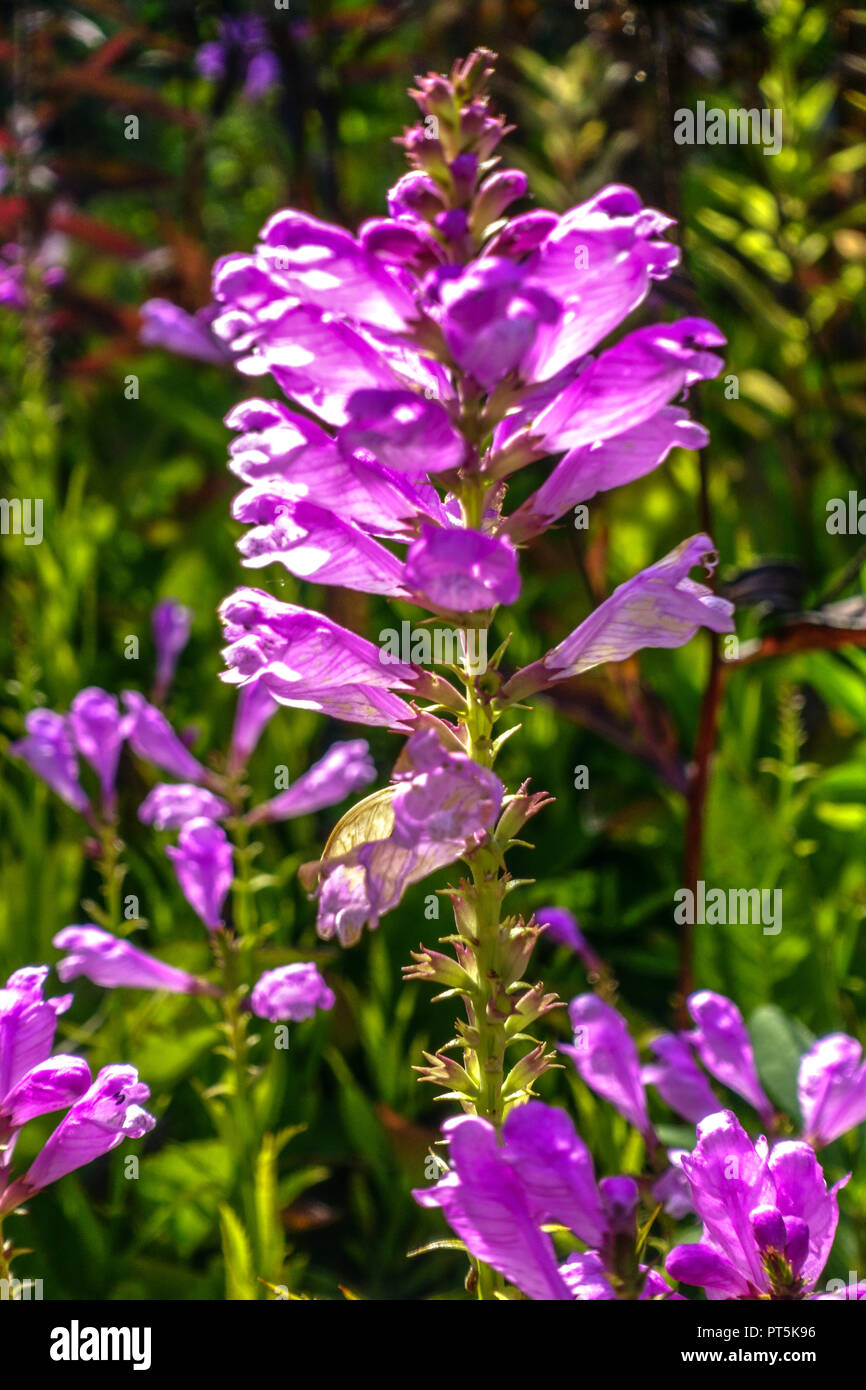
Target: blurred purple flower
[(723, 1045), (291, 993), (562, 927), (346, 767), (255, 708), (168, 326), (49, 751), (170, 622), (169, 805), (116, 964), (203, 863), (607, 1060), (678, 1079), (152, 739), (99, 729), (832, 1088), (242, 46)]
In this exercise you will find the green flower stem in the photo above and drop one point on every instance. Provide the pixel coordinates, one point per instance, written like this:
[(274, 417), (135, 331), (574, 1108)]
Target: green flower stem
[(489, 1053), (233, 954), (244, 1128), (112, 873), (4, 1262)]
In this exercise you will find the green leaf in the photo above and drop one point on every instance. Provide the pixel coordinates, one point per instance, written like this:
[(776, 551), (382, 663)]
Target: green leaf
[(240, 1279), (779, 1043), (271, 1240)]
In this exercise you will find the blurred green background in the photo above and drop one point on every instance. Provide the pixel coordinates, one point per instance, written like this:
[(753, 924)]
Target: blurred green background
[(748, 772)]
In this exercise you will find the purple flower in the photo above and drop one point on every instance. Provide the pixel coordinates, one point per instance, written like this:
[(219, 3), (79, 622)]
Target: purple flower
[(497, 1198), (242, 46), (115, 964), (169, 805), (562, 927), (346, 767), (152, 738), (171, 623), (314, 543), (325, 266), (602, 465), (769, 1220), (287, 459), (660, 607), (291, 992), (166, 325), (50, 1085), (678, 1080), (49, 751), (443, 804), (308, 661), (832, 1088), (629, 383), (102, 1118), (18, 264), (99, 730), (462, 571), (255, 707), (598, 260), (403, 431), (442, 796), (491, 314), (607, 1059), (27, 1025), (723, 1045), (673, 1189), (202, 861)]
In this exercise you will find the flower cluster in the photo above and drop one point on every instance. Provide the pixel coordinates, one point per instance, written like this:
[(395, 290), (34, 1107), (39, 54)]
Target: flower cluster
[(831, 1085), (100, 1114), (434, 354)]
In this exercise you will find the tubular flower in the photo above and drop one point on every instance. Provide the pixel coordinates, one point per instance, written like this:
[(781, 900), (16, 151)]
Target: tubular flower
[(769, 1220), (497, 1198), (116, 964)]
